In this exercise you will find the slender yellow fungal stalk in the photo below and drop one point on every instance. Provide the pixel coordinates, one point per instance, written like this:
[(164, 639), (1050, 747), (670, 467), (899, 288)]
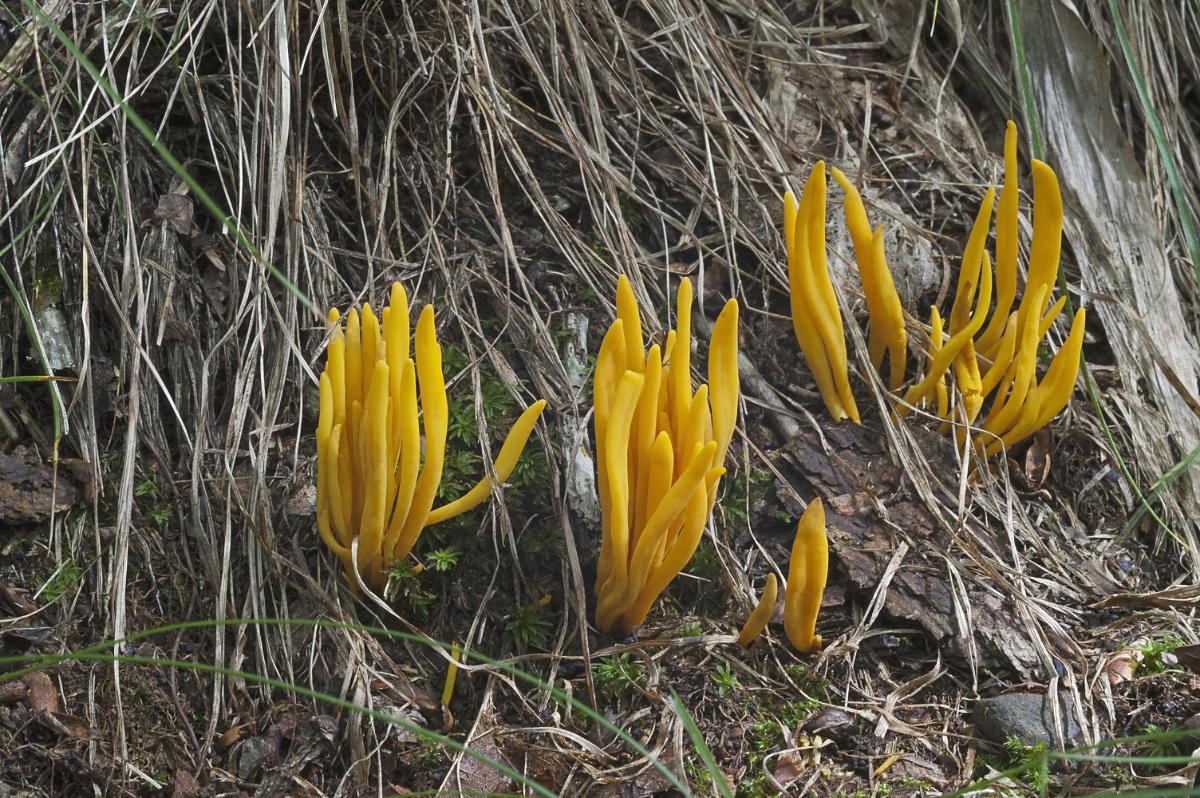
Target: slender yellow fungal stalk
[(886, 334), (451, 676), (808, 272), (941, 361), (1006, 249), (941, 391), (808, 570), (372, 485), (761, 615), (809, 317), (1051, 395), (658, 451)]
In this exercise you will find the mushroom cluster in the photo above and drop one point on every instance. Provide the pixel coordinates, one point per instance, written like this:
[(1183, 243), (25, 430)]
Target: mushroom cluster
[(999, 359), (374, 493), (660, 447)]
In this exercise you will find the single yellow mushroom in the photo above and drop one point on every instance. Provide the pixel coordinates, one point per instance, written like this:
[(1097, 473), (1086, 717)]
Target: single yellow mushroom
[(762, 613), (808, 570)]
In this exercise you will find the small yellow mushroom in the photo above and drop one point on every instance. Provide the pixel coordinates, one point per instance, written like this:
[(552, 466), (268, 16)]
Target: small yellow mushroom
[(762, 613), (375, 485), (808, 570), (659, 449)]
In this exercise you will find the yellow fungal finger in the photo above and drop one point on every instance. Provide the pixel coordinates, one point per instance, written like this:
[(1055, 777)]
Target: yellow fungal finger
[(1046, 244), (326, 471), (887, 333), (337, 501), (617, 468), (371, 339), (1063, 371), (506, 461), (374, 474), (803, 321), (973, 261), (1007, 407), (1003, 356), (807, 572), (679, 371), (436, 411), (335, 366), (889, 316), (644, 433), (405, 407), (762, 613), (822, 301), (723, 380), (627, 312), (604, 385), (1006, 249)]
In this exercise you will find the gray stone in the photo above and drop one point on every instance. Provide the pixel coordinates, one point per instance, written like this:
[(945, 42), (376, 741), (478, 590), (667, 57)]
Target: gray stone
[(1027, 717), (253, 754)]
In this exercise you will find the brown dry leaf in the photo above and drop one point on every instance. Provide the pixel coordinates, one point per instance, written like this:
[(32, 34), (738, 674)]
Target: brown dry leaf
[(231, 735), (1123, 665), (1183, 598), (43, 697), (790, 766), (14, 601), (12, 692), (186, 785), (1037, 460), (175, 210), (1189, 657), (66, 725)]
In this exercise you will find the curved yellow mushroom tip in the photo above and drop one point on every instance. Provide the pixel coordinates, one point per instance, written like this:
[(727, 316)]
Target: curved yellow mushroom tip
[(761, 615)]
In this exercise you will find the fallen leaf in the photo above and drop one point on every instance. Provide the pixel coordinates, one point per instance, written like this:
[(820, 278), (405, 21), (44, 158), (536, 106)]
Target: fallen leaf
[(1189, 657), (175, 210), (1037, 460), (186, 785), (231, 735), (43, 697)]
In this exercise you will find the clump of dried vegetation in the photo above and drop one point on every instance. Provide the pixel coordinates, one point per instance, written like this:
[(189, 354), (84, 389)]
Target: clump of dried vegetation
[(507, 161)]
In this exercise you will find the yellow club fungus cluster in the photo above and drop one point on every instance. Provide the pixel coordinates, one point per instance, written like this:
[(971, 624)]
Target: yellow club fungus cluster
[(1001, 361), (808, 569), (375, 484), (987, 358), (660, 446)]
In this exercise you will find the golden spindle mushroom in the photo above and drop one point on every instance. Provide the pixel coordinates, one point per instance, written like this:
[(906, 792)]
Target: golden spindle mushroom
[(761, 616), (886, 334), (808, 570), (658, 445), (1006, 250), (803, 322)]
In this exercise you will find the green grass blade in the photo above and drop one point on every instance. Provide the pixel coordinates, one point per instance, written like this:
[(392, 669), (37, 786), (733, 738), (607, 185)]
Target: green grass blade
[(706, 755)]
